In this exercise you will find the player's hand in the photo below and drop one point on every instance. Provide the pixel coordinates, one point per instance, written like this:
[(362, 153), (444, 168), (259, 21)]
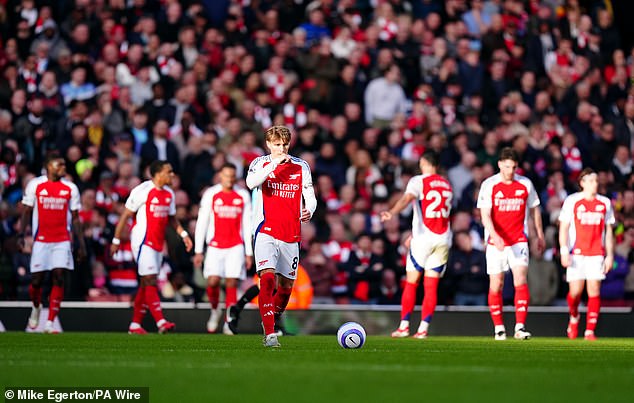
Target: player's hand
[(498, 242), (188, 243), (608, 263), (113, 249), (408, 242), (284, 158), (385, 216), (21, 242), (198, 260), (541, 244), (81, 253), (248, 261), (305, 217), (566, 260)]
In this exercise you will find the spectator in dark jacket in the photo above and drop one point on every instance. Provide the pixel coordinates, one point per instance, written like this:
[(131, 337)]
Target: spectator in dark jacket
[(466, 270)]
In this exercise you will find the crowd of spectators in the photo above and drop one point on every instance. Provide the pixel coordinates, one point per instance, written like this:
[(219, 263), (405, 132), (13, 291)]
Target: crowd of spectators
[(366, 86)]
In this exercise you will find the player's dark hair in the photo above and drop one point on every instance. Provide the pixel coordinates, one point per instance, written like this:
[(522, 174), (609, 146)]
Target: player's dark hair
[(507, 153), (157, 166), (585, 172), (432, 157), (50, 157), (228, 165)]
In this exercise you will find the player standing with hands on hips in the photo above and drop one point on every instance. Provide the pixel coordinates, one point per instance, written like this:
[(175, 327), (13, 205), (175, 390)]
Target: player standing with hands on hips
[(152, 202), (505, 201), (280, 182), (48, 199), (587, 249)]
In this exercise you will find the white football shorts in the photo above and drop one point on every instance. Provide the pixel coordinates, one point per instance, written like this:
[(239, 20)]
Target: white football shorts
[(225, 262), (47, 256), (271, 253), (428, 253), (148, 260), (585, 268), (511, 256)]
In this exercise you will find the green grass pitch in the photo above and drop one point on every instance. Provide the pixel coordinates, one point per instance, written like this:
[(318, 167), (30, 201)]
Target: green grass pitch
[(216, 368)]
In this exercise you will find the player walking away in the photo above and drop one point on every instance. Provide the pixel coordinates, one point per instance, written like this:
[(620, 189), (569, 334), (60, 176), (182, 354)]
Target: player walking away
[(152, 203), (280, 182), (505, 200), (429, 246), (47, 200), (224, 225), (587, 249)]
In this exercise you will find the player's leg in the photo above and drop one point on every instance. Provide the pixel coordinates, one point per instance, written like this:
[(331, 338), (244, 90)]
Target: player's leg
[(518, 260), (575, 289), (235, 310), (435, 266), (213, 293), (213, 270), (231, 287), (593, 287), (139, 311), (408, 300), (266, 257), (35, 292), (61, 259), (430, 282), (55, 298), (497, 265), (149, 263), (235, 269), (286, 270), (593, 268), (38, 267)]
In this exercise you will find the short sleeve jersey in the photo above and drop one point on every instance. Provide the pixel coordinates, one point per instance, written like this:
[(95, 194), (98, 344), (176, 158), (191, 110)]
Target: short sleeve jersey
[(509, 204), (52, 202)]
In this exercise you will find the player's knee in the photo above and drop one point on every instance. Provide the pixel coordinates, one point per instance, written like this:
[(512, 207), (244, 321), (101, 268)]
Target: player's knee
[(58, 278)]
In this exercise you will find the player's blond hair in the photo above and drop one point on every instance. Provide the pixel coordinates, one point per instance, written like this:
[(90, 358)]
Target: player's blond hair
[(278, 132)]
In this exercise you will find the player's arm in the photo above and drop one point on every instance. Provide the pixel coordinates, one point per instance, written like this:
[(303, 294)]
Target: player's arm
[(534, 203), (78, 231), (246, 229), (537, 221), (181, 231), (608, 262), (308, 193), (564, 252), (399, 206), (116, 238), (28, 201), (257, 173), (487, 222), (202, 227)]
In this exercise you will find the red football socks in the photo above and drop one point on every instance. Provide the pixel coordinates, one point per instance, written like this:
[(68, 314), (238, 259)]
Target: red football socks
[(521, 303), (139, 306), (594, 306), (36, 295), (495, 307), (231, 296), (265, 301), (153, 302), (281, 300), (213, 293), (573, 305), (431, 298), (408, 300), (55, 301)]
